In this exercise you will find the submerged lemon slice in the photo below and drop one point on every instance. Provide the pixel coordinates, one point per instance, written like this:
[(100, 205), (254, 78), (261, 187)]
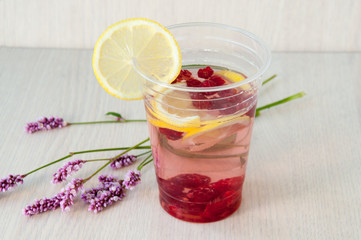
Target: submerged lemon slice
[(173, 109), (132, 46), (234, 77), (217, 125)]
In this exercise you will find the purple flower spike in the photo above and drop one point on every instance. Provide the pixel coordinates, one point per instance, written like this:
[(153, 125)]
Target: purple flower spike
[(132, 178), (44, 124), (107, 179), (10, 182), (123, 161), (67, 194), (42, 205), (104, 195), (67, 170), (64, 199)]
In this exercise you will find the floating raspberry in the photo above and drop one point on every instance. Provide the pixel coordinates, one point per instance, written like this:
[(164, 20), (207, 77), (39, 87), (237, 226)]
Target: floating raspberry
[(208, 83), (205, 72), (184, 75), (171, 134), (194, 83), (201, 101), (217, 80)]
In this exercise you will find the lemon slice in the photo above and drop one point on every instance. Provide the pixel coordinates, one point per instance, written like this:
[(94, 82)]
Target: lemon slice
[(234, 77), (132, 46), (215, 127), (174, 110)]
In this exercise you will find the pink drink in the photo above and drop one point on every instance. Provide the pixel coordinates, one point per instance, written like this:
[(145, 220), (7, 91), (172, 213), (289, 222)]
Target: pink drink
[(201, 124), (200, 143)]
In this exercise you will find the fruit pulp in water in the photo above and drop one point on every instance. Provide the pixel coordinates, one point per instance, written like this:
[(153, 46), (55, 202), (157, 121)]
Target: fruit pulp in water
[(200, 144)]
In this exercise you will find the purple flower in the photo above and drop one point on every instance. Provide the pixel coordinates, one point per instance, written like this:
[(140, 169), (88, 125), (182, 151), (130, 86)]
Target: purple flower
[(10, 182), (105, 179), (104, 195), (44, 124), (67, 170), (64, 199), (132, 178), (42, 205), (123, 161), (68, 193)]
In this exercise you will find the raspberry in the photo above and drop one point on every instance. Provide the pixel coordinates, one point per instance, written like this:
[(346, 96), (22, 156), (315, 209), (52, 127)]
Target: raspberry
[(186, 73), (227, 93), (190, 180), (228, 184), (203, 104), (226, 100), (226, 205), (171, 134), (170, 188), (208, 83), (217, 80), (201, 100), (251, 112), (202, 194), (205, 72), (183, 75), (193, 83)]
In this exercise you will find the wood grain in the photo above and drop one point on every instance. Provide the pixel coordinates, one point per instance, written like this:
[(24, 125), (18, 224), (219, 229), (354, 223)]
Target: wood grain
[(298, 25), (302, 178)]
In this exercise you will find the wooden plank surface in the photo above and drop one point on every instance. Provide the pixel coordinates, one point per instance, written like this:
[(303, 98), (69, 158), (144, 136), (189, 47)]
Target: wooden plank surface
[(302, 178), (297, 25)]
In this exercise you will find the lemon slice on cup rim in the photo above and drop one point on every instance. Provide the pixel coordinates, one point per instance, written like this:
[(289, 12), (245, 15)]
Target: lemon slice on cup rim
[(132, 46), (134, 49)]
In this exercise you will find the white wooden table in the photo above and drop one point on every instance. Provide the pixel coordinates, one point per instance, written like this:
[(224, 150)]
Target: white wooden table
[(303, 177)]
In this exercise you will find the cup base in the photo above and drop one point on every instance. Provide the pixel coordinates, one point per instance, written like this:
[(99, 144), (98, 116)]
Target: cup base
[(201, 212)]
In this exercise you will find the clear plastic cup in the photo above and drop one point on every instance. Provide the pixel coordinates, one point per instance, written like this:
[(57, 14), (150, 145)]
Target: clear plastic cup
[(200, 136)]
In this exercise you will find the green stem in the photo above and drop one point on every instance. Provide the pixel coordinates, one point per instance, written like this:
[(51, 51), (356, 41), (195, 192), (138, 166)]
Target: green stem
[(269, 79), (101, 168), (149, 161), (144, 162), (287, 99), (109, 149), (95, 122), (85, 151), (144, 153), (97, 160), (46, 165), (124, 152), (110, 159)]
